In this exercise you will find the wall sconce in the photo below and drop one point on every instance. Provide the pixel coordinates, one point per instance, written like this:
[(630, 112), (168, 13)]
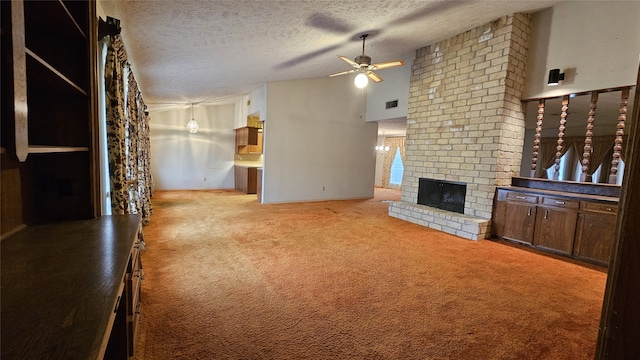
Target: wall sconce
[(382, 149), (555, 77), (192, 125)]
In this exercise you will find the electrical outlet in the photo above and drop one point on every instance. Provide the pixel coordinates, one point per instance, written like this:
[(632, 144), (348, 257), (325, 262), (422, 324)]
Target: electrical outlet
[(205, 179)]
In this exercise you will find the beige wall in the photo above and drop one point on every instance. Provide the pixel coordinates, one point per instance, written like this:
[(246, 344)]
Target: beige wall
[(596, 44), (317, 145)]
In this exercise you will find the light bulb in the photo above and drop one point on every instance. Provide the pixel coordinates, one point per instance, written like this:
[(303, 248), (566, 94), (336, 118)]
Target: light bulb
[(361, 80)]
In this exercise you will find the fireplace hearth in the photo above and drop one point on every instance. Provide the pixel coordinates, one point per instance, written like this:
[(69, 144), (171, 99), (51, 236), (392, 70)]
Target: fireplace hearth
[(441, 194)]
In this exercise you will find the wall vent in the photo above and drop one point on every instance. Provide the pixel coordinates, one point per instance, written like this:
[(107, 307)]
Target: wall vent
[(391, 104)]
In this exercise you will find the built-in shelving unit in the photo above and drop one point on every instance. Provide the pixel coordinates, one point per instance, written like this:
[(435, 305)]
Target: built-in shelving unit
[(52, 82), (48, 136)]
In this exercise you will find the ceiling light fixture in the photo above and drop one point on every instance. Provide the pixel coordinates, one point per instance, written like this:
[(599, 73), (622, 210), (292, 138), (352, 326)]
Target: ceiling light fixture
[(555, 77), (361, 80), (192, 125)]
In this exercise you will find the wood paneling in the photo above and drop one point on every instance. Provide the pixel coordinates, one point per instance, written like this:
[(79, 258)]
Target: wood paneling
[(620, 323)]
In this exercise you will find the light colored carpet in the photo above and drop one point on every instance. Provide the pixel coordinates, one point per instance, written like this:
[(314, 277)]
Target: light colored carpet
[(229, 278)]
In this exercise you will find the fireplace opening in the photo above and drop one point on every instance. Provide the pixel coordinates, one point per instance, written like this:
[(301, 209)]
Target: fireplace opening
[(441, 194)]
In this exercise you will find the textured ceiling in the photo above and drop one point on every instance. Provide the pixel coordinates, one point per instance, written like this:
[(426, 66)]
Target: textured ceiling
[(190, 51)]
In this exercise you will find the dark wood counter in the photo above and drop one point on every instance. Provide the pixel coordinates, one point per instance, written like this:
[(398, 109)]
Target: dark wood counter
[(61, 284)]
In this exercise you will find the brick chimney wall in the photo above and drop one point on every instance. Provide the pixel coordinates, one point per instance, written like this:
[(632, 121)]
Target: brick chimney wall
[(466, 122)]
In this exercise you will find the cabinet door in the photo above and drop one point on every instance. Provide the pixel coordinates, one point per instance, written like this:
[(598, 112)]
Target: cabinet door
[(555, 229), (241, 178), (519, 222), (498, 217), (252, 180), (242, 137), (594, 238), (252, 136)]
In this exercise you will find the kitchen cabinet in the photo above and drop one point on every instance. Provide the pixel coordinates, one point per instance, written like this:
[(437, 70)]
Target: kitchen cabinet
[(596, 223), (248, 140), (579, 226), (246, 179)]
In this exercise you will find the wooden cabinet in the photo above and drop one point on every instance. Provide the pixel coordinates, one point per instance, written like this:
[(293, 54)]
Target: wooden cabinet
[(246, 179), (134, 277), (556, 224), (248, 140), (577, 226), (49, 57), (596, 224), (71, 290), (520, 223)]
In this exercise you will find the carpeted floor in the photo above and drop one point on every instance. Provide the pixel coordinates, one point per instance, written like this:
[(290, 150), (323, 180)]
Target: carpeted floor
[(229, 278)]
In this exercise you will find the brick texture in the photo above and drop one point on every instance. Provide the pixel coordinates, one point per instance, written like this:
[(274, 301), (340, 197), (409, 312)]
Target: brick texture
[(465, 120)]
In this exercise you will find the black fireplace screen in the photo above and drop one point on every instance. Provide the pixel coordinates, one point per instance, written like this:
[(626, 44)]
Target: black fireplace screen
[(441, 194)]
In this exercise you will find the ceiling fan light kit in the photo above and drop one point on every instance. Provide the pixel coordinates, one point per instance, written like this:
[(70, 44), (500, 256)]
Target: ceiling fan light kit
[(364, 69), (361, 80)]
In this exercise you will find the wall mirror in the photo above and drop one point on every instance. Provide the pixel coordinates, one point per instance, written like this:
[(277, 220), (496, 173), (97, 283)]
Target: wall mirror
[(579, 137)]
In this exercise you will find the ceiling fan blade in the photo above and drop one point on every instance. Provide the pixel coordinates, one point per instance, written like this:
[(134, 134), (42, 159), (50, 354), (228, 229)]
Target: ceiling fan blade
[(373, 76), (351, 62), (387, 65), (343, 73)]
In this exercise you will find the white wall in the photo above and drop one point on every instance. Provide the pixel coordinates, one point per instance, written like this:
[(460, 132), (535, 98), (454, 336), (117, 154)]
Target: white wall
[(180, 160), (599, 40), (596, 44), (240, 112), (258, 102), (317, 145), (379, 163), (395, 86)]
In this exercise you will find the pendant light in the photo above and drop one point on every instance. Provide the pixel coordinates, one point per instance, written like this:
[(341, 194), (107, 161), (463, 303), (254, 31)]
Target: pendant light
[(192, 125)]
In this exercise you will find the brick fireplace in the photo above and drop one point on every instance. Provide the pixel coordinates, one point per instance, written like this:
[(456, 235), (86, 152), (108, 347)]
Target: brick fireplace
[(465, 122)]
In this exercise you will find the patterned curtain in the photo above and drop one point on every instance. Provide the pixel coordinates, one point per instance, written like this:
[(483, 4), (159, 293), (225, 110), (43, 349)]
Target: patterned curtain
[(601, 146), (394, 143), (127, 136), (548, 149), (547, 155)]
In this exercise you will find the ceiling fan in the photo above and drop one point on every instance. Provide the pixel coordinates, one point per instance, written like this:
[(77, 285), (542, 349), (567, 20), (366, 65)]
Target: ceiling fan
[(364, 67)]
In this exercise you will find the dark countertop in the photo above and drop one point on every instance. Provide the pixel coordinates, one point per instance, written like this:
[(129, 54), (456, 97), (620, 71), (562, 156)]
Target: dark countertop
[(563, 194), (60, 286)]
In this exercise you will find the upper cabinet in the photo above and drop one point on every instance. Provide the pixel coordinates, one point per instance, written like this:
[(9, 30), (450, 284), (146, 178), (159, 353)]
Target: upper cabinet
[(49, 58), (249, 140)]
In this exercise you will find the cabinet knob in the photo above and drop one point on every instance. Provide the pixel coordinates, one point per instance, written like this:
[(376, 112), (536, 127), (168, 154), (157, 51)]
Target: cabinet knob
[(521, 197), (560, 202)]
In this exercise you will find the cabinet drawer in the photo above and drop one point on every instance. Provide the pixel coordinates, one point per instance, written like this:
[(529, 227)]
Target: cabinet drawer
[(560, 202), (600, 207), (520, 197)]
